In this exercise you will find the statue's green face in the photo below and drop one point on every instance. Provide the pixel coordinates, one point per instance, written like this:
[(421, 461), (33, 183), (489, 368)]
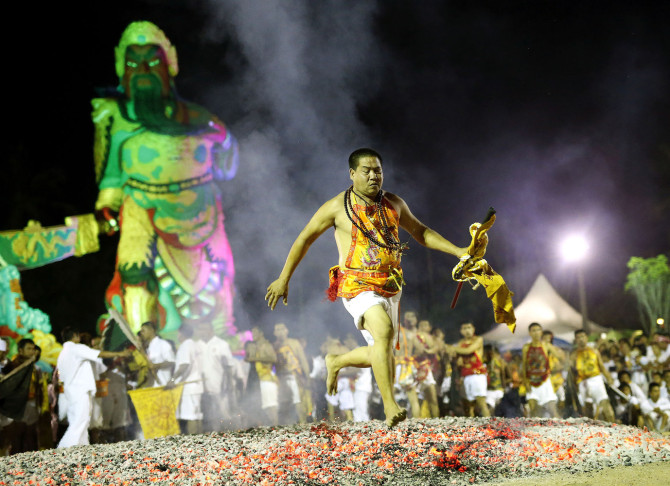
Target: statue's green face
[(146, 68)]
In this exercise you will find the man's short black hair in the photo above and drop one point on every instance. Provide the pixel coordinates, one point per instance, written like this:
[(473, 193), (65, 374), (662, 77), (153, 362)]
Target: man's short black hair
[(653, 384), (534, 324), (579, 331), (151, 324), (68, 333), (358, 154), (24, 342), (623, 372)]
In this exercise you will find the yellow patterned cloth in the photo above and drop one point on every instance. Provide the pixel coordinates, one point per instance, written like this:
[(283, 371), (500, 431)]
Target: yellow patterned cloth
[(368, 266), (586, 363), (474, 267), (156, 410)]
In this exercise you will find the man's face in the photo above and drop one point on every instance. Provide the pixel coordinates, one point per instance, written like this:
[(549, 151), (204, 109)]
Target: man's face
[(146, 68), (410, 319), (467, 330), (424, 326), (281, 332), (546, 338), (368, 176), (581, 340), (256, 334), (27, 352), (655, 393), (535, 333), (624, 378), (146, 333)]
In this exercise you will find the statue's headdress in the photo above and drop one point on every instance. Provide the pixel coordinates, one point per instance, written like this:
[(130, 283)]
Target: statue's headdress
[(142, 33)]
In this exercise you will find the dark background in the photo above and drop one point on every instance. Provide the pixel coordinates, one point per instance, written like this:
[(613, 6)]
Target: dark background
[(555, 113)]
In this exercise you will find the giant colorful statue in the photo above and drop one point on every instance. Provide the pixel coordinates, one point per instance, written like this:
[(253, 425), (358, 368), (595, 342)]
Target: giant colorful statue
[(160, 162)]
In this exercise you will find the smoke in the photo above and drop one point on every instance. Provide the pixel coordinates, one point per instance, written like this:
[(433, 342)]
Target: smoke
[(471, 108), (302, 68)]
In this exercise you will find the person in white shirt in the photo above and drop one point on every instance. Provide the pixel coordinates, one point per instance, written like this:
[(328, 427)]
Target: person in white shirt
[(99, 368), (75, 367), (188, 371), (160, 353), (219, 403), (656, 410), (665, 386)]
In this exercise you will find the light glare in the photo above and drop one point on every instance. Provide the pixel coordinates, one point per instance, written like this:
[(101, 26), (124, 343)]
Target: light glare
[(574, 248)]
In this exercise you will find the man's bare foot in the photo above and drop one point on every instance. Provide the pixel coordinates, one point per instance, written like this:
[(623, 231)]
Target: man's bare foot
[(331, 379), (396, 417)]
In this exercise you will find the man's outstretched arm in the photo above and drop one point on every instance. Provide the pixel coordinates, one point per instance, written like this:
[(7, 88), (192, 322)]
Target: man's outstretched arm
[(323, 219)]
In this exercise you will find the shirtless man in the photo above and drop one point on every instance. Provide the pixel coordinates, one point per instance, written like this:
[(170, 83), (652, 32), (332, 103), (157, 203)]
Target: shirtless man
[(368, 278), (425, 352), (405, 364), (470, 352), (292, 371), (536, 372)]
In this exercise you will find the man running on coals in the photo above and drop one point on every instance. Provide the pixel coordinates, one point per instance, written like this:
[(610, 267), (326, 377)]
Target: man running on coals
[(369, 277)]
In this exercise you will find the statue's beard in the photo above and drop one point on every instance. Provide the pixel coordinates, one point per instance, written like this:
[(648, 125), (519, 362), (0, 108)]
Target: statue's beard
[(149, 103)]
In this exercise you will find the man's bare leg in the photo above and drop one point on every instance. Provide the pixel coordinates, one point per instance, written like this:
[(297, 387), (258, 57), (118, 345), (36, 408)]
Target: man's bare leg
[(413, 399), (379, 356), (430, 395), (482, 407)]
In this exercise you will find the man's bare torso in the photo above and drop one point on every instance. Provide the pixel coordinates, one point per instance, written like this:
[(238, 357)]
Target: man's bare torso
[(343, 225)]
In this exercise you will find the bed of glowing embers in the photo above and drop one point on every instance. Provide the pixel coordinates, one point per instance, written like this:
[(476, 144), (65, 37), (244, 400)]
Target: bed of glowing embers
[(437, 451)]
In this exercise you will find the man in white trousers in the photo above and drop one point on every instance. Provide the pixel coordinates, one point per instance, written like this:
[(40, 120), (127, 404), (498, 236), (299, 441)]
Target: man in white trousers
[(75, 368)]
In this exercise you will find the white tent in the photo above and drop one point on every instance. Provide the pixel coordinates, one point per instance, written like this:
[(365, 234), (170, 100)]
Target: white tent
[(542, 304)]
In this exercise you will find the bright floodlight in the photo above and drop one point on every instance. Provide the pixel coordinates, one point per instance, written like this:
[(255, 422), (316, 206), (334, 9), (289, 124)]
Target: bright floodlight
[(574, 248)]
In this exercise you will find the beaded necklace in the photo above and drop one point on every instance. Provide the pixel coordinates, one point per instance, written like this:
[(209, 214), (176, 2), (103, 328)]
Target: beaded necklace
[(390, 242)]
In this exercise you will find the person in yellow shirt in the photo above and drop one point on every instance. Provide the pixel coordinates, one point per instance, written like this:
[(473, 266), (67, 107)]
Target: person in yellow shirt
[(590, 376), (262, 380)]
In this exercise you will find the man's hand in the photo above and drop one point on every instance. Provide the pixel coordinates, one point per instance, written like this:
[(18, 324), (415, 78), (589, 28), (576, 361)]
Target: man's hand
[(277, 289)]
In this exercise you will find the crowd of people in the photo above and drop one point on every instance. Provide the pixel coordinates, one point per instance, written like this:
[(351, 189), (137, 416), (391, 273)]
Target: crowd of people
[(276, 381)]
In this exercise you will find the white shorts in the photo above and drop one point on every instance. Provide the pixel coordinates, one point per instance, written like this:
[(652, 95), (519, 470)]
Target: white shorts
[(593, 388), (344, 398), (560, 393), (359, 305), (190, 407), (475, 386), (429, 380), (269, 394), (493, 397), (361, 406), (289, 387), (542, 394)]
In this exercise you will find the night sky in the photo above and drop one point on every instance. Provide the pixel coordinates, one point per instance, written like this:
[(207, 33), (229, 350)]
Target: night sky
[(555, 113)]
